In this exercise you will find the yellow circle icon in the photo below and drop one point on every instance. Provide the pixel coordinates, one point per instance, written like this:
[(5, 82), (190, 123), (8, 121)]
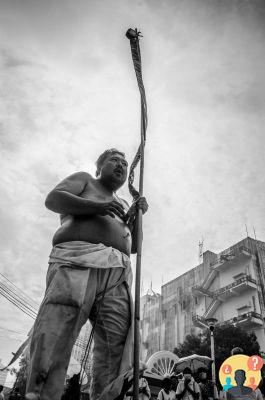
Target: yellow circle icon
[(238, 362)]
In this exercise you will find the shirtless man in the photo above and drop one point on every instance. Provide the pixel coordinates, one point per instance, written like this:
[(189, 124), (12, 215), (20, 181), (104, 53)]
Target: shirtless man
[(89, 277)]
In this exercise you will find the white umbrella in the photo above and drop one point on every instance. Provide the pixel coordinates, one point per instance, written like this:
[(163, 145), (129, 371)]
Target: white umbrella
[(194, 362)]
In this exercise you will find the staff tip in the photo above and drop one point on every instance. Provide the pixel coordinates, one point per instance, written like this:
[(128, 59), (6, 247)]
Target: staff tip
[(133, 34)]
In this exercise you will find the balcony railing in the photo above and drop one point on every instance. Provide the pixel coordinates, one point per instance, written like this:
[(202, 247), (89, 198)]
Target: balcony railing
[(238, 282), (246, 317), (202, 290), (223, 258)]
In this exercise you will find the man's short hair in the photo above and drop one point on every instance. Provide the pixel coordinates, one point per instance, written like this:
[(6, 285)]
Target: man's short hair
[(1, 388), (166, 382), (202, 369), (105, 155)]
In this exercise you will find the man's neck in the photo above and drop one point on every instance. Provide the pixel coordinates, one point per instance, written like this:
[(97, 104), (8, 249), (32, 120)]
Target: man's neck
[(110, 186)]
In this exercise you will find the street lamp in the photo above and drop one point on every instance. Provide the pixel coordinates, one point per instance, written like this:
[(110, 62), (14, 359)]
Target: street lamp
[(211, 322)]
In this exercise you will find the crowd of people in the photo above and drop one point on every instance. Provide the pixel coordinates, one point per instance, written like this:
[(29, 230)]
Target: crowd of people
[(187, 388)]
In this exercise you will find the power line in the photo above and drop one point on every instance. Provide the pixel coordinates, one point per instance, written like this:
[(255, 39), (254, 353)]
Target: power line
[(23, 294), (17, 298), (16, 303)]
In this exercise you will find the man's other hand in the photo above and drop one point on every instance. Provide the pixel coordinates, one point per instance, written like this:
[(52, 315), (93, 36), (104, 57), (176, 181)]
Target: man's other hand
[(112, 208), (140, 204)]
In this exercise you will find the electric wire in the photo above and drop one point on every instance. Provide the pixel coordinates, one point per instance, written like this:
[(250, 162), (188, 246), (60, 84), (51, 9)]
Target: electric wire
[(27, 298), (17, 298), (14, 301)]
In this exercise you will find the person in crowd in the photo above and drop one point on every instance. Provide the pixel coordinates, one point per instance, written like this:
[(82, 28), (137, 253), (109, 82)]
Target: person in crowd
[(15, 395), (1, 392), (258, 394), (72, 391), (144, 390), (166, 393), (187, 388), (208, 388), (174, 382)]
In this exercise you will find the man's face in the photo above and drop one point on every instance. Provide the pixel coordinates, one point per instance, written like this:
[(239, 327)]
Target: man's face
[(115, 166), (203, 376), (187, 377)]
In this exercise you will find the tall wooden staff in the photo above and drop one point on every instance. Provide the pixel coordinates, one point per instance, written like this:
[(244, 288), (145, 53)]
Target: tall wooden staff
[(133, 35)]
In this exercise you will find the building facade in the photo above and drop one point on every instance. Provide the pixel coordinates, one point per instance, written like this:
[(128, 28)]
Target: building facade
[(228, 286), (80, 347), (150, 327)]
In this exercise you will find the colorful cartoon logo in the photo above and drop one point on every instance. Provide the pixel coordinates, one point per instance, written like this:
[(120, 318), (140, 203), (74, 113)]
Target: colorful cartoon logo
[(240, 373)]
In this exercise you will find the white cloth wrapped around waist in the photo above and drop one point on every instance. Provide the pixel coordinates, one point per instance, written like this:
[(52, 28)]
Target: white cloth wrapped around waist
[(88, 255), (69, 266)]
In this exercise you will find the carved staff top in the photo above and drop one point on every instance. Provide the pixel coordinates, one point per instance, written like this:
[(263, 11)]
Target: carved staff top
[(133, 35)]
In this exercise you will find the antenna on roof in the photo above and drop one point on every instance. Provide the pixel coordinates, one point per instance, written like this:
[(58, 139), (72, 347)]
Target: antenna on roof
[(246, 229), (201, 250), (254, 233)]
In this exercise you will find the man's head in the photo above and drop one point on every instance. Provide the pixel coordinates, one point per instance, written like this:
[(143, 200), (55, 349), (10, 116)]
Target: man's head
[(112, 166), (240, 377), (202, 374), (187, 373), (174, 381), (1, 388)]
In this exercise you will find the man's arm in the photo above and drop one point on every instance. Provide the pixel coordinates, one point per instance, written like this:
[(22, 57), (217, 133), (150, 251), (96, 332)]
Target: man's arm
[(65, 199), (195, 392), (181, 389)]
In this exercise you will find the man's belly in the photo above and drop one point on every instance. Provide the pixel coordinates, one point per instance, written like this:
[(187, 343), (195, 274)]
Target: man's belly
[(109, 231)]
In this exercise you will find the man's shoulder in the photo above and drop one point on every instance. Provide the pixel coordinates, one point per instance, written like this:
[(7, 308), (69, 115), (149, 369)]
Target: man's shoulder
[(82, 175)]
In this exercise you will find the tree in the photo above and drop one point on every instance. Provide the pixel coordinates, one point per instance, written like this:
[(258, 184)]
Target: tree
[(226, 337), (22, 374)]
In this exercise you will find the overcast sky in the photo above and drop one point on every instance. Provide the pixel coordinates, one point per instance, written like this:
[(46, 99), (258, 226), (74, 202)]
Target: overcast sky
[(68, 92)]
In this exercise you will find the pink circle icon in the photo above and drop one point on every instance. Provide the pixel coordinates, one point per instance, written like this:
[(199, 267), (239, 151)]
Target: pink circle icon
[(255, 363), (226, 369)]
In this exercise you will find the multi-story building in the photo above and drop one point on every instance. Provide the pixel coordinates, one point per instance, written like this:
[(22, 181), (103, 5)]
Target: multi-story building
[(229, 286), (80, 347), (150, 327)]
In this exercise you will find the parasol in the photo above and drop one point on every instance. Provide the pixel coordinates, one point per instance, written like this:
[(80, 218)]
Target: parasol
[(194, 362)]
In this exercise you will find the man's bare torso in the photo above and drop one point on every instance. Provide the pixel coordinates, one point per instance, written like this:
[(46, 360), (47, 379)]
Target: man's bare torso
[(95, 228)]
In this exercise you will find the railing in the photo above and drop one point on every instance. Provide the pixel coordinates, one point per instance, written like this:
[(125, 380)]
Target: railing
[(248, 315), (211, 306), (232, 285), (199, 319), (209, 276), (201, 289), (232, 255)]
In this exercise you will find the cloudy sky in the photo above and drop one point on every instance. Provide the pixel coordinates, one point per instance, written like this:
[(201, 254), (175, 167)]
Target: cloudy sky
[(68, 91)]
